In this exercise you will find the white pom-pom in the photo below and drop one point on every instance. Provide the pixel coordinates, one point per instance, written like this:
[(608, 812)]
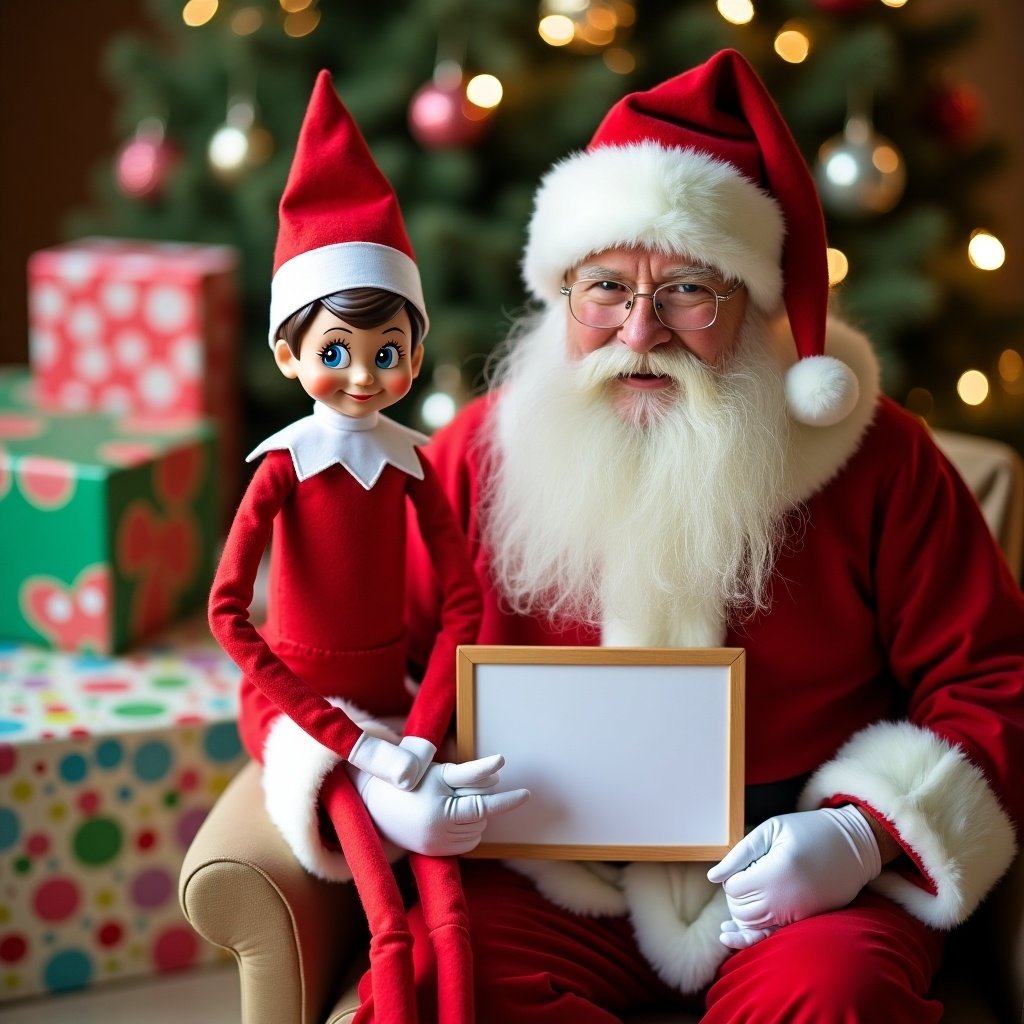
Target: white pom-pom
[(820, 391)]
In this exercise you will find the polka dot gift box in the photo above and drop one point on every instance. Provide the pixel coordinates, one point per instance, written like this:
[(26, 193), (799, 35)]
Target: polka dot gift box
[(108, 522), (107, 768), (124, 326)]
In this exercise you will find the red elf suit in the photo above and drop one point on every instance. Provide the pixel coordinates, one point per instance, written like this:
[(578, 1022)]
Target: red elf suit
[(325, 674)]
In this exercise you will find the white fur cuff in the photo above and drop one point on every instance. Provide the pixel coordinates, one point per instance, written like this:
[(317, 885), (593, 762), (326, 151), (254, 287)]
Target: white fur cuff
[(677, 916), (941, 805), (294, 768)]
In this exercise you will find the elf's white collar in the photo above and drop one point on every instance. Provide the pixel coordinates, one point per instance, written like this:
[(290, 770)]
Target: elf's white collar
[(363, 446)]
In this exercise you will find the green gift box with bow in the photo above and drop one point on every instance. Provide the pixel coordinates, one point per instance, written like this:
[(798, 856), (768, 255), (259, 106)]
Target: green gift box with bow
[(108, 522)]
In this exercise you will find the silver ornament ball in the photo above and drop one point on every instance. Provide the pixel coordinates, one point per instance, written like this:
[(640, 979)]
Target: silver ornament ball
[(859, 173)]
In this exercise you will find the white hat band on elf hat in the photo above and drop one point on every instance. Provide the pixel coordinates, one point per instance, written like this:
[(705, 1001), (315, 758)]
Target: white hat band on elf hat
[(340, 224), (705, 167)]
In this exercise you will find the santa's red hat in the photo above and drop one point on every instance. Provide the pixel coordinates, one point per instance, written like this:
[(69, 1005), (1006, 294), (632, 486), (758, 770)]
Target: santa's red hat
[(704, 166), (340, 224)]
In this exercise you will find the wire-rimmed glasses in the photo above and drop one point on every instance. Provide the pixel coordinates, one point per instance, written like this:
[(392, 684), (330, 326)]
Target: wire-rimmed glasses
[(679, 305)]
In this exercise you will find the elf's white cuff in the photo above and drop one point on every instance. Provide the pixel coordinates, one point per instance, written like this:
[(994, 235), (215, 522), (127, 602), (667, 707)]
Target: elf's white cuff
[(941, 805), (294, 768)]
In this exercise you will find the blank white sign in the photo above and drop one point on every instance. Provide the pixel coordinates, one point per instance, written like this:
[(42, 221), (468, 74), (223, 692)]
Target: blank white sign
[(628, 753)]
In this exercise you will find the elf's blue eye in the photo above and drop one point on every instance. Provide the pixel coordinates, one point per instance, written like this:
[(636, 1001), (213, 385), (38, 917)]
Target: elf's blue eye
[(387, 357), (335, 357)]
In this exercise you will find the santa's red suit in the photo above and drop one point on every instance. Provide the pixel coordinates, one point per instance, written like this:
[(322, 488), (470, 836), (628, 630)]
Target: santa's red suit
[(888, 671)]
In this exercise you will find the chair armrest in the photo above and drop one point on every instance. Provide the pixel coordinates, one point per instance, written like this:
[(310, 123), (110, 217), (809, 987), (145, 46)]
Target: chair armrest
[(241, 888)]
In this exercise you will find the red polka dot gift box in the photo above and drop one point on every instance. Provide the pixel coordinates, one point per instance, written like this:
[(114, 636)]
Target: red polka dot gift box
[(150, 328), (107, 768), (109, 522)]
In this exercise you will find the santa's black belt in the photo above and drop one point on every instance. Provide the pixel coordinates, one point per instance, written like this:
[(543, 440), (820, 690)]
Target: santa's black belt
[(766, 799)]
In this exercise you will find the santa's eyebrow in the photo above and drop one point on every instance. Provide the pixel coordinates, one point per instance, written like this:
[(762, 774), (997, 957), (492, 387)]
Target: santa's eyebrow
[(684, 272), (591, 272)]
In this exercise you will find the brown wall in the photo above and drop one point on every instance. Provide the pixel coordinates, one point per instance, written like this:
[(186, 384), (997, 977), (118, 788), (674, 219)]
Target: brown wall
[(56, 125)]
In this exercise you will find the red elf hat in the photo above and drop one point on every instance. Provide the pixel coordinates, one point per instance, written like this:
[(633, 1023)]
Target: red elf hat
[(703, 166), (340, 224)]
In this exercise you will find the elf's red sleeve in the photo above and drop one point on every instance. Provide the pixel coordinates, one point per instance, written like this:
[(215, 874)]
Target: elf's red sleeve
[(231, 597)]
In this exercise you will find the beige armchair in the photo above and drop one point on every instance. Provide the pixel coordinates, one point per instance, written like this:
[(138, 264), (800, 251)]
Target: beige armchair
[(300, 943)]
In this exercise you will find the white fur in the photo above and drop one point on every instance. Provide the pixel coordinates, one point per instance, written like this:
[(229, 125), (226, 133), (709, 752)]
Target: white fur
[(677, 916), (820, 391), (610, 524), (294, 768), (817, 453), (942, 807), (592, 888), (676, 201)]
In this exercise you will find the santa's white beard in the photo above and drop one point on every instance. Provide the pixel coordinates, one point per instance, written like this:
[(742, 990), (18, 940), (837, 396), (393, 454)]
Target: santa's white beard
[(651, 516)]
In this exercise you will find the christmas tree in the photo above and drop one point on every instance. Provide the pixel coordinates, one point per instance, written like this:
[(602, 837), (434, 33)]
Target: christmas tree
[(466, 104)]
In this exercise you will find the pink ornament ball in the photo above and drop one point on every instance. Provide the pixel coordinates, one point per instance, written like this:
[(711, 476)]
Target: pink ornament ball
[(142, 166), (442, 117)]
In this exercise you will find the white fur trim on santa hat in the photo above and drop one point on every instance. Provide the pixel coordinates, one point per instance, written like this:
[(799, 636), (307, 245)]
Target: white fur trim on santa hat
[(294, 768), (676, 201), (942, 807), (677, 917), (333, 268)]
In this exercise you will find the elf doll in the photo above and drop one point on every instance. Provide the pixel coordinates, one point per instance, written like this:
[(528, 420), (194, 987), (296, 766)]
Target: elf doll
[(324, 677)]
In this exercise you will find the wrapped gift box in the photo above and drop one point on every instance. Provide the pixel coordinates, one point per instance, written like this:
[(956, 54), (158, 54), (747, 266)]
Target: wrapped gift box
[(107, 768), (109, 523), (137, 327)]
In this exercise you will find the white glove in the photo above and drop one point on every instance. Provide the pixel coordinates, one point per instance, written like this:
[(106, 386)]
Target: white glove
[(402, 765), (447, 812), (795, 866)]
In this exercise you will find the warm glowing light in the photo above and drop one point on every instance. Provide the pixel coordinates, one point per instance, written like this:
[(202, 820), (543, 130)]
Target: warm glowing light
[(838, 266), (556, 30), (737, 12), (972, 387), (1011, 365), (793, 43), (229, 148), (841, 168), (437, 409), (621, 61), (301, 23), (885, 159), (198, 12), (985, 251), (294, 6), (246, 21), (602, 19), (484, 90), (894, 3)]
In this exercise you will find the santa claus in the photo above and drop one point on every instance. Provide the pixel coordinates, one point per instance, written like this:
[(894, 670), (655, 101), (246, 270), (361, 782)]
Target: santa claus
[(682, 448)]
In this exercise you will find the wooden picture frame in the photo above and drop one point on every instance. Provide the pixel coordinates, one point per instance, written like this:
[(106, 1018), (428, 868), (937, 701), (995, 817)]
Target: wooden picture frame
[(629, 753)]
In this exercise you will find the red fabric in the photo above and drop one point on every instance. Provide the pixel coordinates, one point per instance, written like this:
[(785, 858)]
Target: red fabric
[(334, 628), (723, 109), (891, 600), (335, 192), (335, 602), (537, 964)]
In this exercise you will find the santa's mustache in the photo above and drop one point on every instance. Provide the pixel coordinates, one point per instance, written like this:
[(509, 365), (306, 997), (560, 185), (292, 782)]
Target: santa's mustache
[(612, 363)]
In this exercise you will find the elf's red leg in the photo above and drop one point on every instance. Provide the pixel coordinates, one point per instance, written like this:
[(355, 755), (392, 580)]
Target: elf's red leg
[(447, 920), (394, 994)]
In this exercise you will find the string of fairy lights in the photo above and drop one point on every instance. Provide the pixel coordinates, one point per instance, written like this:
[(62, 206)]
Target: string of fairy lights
[(858, 171)]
